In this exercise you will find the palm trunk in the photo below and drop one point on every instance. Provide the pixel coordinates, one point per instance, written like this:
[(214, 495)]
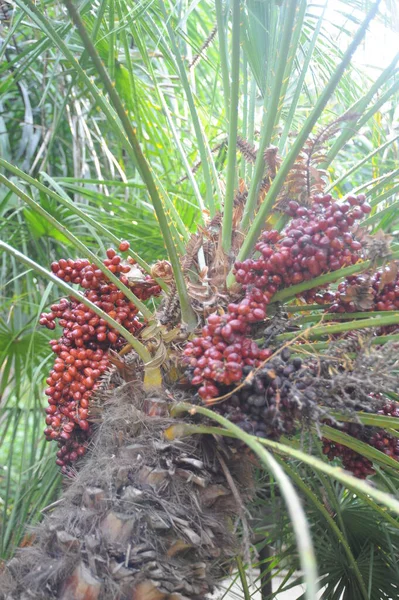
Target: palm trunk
[(144, 518)]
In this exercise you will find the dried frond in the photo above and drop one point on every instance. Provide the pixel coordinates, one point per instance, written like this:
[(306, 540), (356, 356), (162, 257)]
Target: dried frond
[(220, 265), (247, 150), (192, 248), (169, 312), (297, 185), (215, 223), (272, 160), (204, 46), (378, 245), (199, 163), (305, 178), (361, 294), (162, 269), (240, 199), (314, 152)]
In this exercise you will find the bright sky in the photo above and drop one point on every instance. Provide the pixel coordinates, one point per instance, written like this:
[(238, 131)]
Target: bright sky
[(381, 43)]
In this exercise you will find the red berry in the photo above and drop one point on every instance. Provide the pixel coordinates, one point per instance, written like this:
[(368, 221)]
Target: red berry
[(124, 246)]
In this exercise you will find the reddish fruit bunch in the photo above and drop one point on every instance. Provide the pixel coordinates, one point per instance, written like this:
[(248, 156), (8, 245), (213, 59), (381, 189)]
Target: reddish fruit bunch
[(352, 461), (82, 350), (219, 355), (359, 465), (317, 240)]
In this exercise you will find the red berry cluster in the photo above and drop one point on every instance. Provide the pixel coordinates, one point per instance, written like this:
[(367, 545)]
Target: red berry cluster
[(219, 355), (352, 461), (317, 240), (82, 350), (359, 465)]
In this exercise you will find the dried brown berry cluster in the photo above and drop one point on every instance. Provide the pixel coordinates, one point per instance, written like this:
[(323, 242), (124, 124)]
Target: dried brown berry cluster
[(316, 240), (82, 350), (274, 399)]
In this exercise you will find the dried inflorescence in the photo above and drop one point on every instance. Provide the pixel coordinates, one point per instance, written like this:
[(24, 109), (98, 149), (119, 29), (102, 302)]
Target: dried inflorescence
[(359, 387)]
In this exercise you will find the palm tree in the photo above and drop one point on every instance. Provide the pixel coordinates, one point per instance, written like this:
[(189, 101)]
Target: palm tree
[(157, 508)]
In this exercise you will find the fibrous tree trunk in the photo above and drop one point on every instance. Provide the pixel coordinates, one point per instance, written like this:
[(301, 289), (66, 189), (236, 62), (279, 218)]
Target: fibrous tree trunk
[(144, 518)]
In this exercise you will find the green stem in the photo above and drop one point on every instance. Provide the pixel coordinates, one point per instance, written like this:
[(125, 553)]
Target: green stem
[(243, 578), (368, 419), (233, 122), (188, 314), (224, 63), (270, 111), (243, 165), (251, 120), (337, 473), (305, 307), (134, 342), (330, 521), (193, 111), (111, 40), (359, 107), (140, 41), (360, 487), (280, 178), (346, 316), (78, 244), (360, 447), (300, 82), (360, 163), (316, 332), (375, 341), (389, 193), (378, 216), (292, 56)]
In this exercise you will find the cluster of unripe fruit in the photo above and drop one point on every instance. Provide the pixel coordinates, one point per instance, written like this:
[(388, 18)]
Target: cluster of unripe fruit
[(359, 465), (315, 241), (82, 350)]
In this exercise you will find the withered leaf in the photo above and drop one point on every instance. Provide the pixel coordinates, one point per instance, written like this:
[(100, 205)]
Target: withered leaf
[(389, 274), (378, 245), (361, 295)]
